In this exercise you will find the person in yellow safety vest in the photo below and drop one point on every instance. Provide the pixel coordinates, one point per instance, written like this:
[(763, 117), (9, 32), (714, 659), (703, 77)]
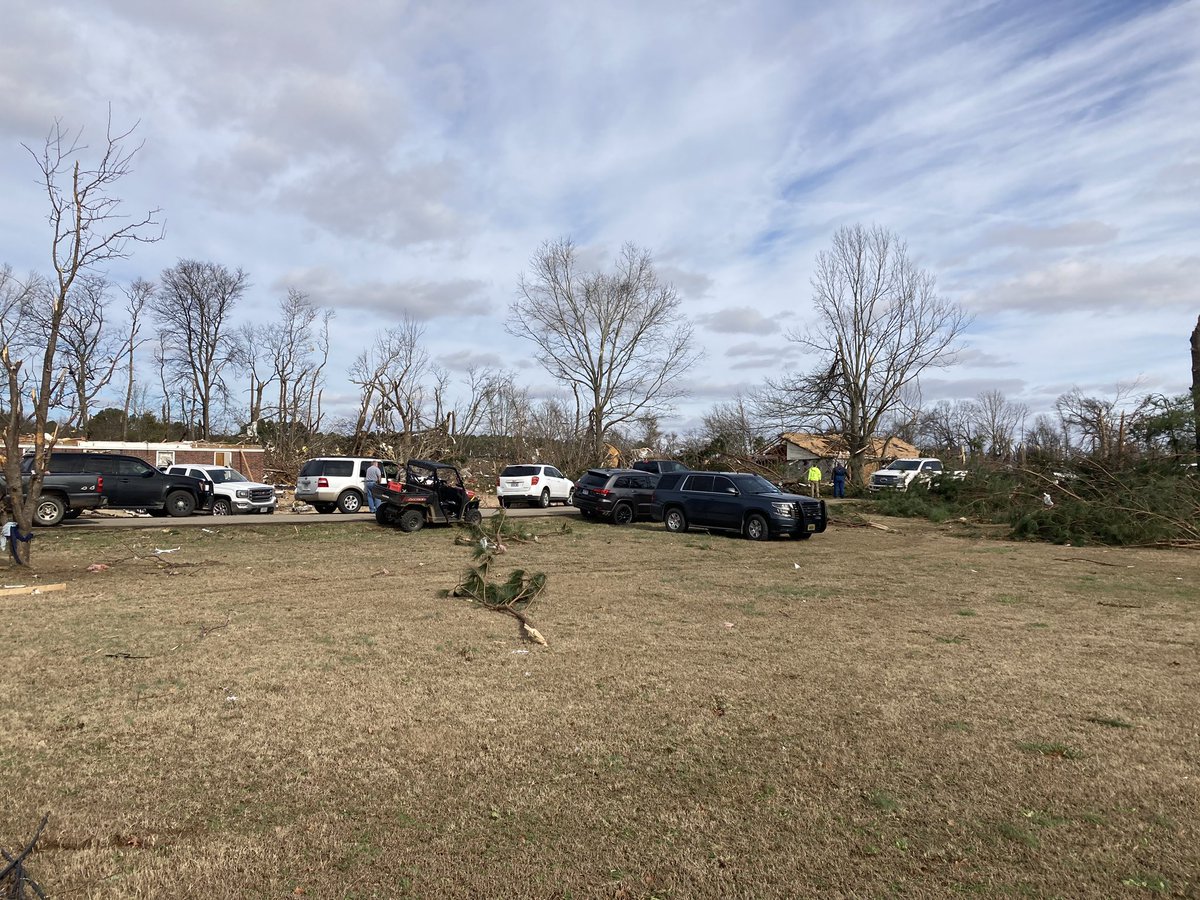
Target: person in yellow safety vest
[(814, 480)]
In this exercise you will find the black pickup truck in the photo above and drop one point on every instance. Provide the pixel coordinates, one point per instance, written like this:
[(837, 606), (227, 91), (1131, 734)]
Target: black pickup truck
[(63, 496), (132, 483)]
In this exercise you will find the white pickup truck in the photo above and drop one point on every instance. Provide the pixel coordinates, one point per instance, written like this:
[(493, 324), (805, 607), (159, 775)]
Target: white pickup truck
[(232, 491), (901, 474)]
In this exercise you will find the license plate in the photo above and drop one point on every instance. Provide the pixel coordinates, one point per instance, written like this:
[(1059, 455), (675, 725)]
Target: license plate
[(514, 484)]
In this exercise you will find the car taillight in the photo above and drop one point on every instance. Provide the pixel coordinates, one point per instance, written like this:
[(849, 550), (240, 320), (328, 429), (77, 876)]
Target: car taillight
[(99, 483), (322, 482), (533, 480), (602, 492)]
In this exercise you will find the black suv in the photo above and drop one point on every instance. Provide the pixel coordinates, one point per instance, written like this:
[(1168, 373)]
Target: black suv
[(731, 501), (622, 494)]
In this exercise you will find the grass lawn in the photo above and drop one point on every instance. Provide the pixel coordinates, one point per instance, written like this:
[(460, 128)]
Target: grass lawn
[(294, 711)]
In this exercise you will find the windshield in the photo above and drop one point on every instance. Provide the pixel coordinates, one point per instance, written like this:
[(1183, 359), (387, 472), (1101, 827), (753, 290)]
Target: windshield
[(905, 465), (755, 484), (226, 476)]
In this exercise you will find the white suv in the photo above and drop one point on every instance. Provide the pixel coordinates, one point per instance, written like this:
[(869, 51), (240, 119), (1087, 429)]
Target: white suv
[(338, 482), (233, 492), (901, 474), (536, 484)]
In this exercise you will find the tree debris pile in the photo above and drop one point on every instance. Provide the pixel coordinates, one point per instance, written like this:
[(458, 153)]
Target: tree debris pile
[(1143, 503), (513, 594)]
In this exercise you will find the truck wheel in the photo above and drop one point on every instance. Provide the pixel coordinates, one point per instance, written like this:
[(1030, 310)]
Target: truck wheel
[(180, 503), (675, 520), (756, 528), (622, 514), (350, 502), (49, 511), (473, 516), (412, 520), (222, 507)]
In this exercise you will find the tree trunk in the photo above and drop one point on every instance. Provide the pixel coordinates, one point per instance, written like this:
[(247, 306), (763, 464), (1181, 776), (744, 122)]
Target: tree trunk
[(1196, 380)]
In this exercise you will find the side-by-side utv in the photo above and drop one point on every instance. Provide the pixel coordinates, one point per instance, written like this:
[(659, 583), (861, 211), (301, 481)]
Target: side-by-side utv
[(431, 493)]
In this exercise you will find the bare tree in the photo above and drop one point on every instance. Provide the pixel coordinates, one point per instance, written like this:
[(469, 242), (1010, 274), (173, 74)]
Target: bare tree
[(879, 323), (193, 305), (390, 375), (1196, 381), (137, 295), (87, 230), (729, 428), (617, 339), (298, 346), (999, 422), (1096, 424)]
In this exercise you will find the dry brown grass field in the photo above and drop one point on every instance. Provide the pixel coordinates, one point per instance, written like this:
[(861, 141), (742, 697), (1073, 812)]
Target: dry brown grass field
[(293, 711)]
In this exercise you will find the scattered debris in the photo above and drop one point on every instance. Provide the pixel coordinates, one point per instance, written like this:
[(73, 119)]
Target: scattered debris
[(1093, 561), (158, 552), (381, 572), (14, 880), (727, 624), (32, 589), (99, 567)]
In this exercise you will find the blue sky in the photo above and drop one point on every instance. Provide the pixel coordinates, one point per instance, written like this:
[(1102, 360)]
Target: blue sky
[(1041, 159)]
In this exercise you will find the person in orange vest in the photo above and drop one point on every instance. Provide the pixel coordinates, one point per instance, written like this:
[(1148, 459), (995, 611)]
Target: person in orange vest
[(814, 480)]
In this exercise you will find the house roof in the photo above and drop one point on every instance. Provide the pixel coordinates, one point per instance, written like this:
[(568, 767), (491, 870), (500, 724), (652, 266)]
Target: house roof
[(830, 445)]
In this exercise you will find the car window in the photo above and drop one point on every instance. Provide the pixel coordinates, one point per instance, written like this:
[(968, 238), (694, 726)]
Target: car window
[(593, 479), (644, 481), (699, 483), (390, 470), (312, 467), (722, 485), (934, 466), (132, 468), (520, 471), (672, 467), (339, 468), (196, 473), (65, 463), (102, 465), (623, 482)]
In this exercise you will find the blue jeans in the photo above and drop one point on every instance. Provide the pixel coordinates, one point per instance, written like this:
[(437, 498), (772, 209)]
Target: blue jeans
[(839, 487), (372, 503)]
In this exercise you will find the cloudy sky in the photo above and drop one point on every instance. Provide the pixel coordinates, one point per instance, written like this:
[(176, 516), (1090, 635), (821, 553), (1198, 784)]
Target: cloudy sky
[(1042, 159)]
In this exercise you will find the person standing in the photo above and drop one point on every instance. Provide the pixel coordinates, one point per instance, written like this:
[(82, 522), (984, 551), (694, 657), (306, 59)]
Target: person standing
[(814, 480), (374, 476), (839, 480)]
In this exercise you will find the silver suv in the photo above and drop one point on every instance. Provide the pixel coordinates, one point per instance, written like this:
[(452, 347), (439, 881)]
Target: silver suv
[(338, 482)]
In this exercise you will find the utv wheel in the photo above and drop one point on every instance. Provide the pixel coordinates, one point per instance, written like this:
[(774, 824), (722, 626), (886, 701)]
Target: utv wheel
[(222, 507), (544, 500), (675, 520), (412, 520), (350, 502), (324, 507), (180, 504), (473, 516), (49, 511), (622, 514), (756, 528)]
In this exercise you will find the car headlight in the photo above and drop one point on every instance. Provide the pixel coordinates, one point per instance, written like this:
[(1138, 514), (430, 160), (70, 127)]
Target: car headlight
[(787, 510), (242, 495)]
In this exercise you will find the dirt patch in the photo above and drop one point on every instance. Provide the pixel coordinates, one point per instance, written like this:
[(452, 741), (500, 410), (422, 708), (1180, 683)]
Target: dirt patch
[(274, 711)]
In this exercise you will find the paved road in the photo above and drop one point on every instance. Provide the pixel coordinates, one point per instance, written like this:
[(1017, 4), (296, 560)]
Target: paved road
[(279, 518)]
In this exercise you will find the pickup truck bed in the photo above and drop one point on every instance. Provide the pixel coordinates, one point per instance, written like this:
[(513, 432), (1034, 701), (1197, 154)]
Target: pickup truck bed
[(63, 496)]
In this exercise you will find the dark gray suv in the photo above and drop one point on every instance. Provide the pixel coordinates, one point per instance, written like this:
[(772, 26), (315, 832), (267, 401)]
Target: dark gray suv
[(620, 494), (734, 501)]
